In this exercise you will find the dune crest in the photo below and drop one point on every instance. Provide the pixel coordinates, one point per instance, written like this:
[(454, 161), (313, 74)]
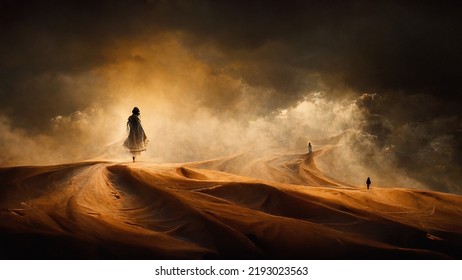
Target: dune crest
[(277, 206)]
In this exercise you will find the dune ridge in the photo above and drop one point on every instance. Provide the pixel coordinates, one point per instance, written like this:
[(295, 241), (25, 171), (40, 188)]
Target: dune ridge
[(277, 206)]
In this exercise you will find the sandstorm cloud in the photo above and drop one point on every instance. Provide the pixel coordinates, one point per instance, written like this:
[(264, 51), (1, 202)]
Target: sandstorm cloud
[(212, 77)]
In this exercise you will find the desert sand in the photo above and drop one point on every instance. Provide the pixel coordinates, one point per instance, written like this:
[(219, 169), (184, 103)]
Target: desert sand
[(277, 206)]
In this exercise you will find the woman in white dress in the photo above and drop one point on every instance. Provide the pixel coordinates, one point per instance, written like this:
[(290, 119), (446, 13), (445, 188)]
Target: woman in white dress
[(137, 140)]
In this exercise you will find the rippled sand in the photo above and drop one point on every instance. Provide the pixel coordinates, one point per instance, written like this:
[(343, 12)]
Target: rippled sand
[(277, 206)]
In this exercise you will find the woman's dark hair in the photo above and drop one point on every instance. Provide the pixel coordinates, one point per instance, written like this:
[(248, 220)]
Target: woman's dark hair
[(136, 111)]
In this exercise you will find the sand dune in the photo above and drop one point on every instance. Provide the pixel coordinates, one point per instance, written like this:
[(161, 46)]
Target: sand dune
[(277, 206)]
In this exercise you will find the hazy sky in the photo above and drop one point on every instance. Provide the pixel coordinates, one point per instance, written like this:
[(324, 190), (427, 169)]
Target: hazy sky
[(209, 76)]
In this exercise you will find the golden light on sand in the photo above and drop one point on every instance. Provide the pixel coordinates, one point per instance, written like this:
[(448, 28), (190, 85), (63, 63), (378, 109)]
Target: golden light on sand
[(278, 206), (230, 94)]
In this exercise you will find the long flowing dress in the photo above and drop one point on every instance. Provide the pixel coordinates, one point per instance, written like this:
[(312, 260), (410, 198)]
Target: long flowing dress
[(136, 141)]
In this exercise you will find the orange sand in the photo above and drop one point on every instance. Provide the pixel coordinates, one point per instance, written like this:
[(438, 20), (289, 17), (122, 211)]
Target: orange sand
[(275, 207)]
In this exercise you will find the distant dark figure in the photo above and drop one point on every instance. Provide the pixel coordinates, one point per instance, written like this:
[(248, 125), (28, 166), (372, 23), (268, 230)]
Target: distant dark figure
[(136, 141), (310, 148), (368, 182)]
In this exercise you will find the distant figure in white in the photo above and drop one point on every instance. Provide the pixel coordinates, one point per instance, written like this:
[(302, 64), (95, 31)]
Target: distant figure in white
[(137, 140), (310, 149)]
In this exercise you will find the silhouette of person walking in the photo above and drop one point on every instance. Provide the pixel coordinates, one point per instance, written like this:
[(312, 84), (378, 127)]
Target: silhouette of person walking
[(136, 141), (310, 148), (368, 182)]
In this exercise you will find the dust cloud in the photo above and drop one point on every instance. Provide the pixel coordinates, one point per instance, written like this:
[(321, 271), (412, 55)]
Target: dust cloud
[(379, 82)]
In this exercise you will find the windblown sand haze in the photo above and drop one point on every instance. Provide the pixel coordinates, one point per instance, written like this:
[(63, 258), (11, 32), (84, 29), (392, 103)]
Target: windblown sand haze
[(246, 206)]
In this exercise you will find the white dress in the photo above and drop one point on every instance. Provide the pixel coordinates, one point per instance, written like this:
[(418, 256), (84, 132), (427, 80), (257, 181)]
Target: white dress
[(136, 141)]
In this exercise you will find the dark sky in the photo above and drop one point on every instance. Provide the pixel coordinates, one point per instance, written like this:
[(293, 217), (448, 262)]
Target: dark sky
[(240, 58), (286, 46)]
